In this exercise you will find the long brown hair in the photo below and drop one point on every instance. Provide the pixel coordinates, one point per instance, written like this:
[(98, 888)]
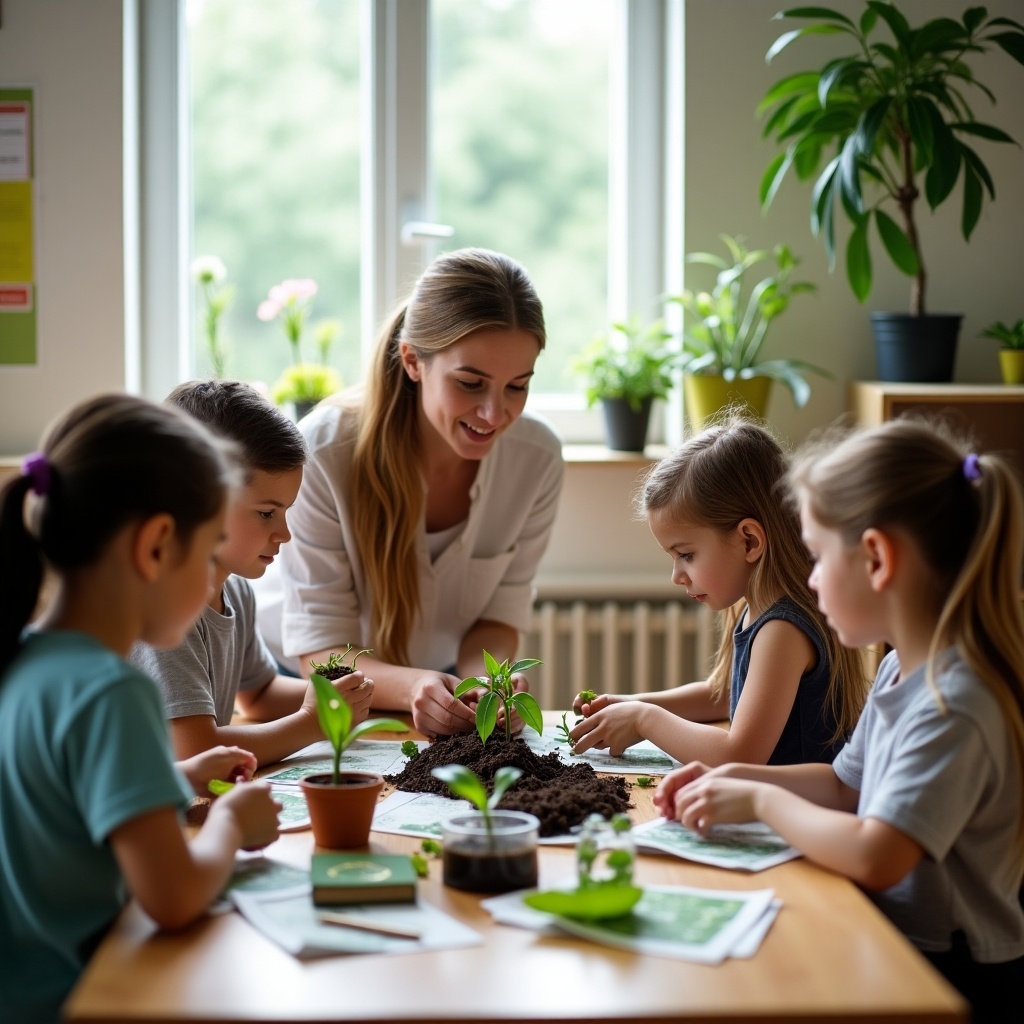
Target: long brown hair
[(460, 293), (736, 470)]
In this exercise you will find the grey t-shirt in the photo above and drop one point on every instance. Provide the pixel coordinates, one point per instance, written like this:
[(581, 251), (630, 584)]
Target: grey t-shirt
[(220, 655), (949, 781)]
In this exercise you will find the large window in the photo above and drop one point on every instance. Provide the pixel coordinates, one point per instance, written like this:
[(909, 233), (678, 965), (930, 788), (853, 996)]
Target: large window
[(315, 130)]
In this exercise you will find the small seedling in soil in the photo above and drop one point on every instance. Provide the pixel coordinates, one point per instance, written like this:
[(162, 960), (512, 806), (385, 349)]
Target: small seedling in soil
[(500, 692), (409, 748), (644, 781), (563, 732), (468, 785), (334, 667)]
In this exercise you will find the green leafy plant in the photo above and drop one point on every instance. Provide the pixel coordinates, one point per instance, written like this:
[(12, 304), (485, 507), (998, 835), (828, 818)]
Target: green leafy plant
[(725, 328), (563, 731), (209, 274), (335, 718), (218, 787), (644, 781), (465, 783), (586, 696), (894, 109), (1009, 337), (304, 382), (633, 362), (501, 693), (409, 748)]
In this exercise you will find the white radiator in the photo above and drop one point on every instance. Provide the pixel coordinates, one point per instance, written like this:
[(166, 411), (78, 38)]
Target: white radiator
[(616, 646)]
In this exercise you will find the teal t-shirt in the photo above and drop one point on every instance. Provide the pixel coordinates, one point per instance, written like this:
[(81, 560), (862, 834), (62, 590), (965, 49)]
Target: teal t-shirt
[(84, 748)]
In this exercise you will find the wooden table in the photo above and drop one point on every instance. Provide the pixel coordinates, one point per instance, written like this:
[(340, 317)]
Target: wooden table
[(830, 955)]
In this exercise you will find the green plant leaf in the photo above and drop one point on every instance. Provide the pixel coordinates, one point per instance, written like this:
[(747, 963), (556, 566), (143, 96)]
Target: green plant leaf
[(529, 710), (464, 783), (218, 787), (523, 665), (603, 901), (896, 243), (467, 684), (973, 199), (332, 710), (375, 724), (491, 665), (486, 715), (504, 778), (858, 262)]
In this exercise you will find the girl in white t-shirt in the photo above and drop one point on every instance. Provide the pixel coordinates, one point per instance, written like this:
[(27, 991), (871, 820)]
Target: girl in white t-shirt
[(918, 543)]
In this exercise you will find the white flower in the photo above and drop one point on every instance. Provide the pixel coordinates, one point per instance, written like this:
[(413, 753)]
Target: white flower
[(208, 270)]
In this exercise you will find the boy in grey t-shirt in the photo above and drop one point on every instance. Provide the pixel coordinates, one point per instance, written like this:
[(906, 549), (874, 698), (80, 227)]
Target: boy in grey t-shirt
[(223, 662)]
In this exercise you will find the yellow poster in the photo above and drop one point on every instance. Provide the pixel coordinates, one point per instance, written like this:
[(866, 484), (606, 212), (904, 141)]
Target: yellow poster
[(17, 228)]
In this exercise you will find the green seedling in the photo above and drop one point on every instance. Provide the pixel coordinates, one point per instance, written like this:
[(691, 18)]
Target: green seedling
[(586, 696), (335, 717), (500, 692), (464, 782), (218, 787), (409, 748), (334, 667), (644, 781)]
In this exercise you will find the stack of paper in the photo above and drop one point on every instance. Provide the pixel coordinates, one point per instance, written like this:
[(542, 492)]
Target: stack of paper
[(749, 847), (679, 922)]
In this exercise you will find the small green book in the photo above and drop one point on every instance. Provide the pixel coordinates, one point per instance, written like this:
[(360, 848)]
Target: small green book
[(343, 878)]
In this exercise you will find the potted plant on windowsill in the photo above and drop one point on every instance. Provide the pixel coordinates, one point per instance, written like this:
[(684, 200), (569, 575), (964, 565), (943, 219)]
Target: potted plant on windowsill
[(1011, 349), (303, 383), (626, 370), (890, 118), (724, 331)]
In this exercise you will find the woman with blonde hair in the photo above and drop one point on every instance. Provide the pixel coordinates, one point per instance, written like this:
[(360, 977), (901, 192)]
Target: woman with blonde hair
[(429, 495)]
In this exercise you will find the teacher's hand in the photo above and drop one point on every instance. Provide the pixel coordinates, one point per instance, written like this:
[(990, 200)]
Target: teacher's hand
[(435, 712)]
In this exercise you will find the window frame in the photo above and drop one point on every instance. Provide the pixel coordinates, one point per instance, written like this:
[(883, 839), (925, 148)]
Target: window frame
[(645, 200)]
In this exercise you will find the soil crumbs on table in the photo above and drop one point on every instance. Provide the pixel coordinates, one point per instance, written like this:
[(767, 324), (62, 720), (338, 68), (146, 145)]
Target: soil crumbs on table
[(560, 795)]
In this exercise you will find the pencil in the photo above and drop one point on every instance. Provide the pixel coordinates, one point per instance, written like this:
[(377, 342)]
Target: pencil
[(348, 921)]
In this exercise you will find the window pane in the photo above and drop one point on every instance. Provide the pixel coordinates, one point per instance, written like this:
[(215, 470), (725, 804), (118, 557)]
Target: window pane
[(275, 145), (519, 145)]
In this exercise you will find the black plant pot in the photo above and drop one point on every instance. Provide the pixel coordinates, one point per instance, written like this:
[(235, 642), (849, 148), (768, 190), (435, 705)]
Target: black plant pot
[(626, 427), (918, 349)]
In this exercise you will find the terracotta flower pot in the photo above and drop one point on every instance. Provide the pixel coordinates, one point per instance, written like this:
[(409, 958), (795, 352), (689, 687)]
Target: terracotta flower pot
[(341, 815)]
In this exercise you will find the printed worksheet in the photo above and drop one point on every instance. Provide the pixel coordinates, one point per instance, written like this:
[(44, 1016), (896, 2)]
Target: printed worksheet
[(382, 756), (751, 847), (643, 758)]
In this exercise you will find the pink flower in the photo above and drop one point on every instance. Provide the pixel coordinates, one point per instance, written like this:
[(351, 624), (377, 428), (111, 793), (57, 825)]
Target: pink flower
[(267, 310)]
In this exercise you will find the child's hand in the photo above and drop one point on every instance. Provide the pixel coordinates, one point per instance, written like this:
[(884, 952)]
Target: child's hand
[(714, 799), (358, 691), (255, 812), (602, 700), (615, 726), (665, 795), (231, 764)]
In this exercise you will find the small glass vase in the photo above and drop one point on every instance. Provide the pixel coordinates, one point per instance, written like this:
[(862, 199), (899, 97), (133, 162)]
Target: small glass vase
[(500, 859), (605, 851)]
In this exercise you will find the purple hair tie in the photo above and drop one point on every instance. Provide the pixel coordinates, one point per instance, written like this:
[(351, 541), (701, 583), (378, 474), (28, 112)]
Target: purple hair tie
[(972, 467), (37, 469)]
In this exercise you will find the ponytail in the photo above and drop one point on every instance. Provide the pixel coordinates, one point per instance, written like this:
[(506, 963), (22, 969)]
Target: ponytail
[(21, 568)]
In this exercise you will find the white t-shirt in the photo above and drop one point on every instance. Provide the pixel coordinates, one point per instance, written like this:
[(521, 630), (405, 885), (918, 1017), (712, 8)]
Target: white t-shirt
[(950, 782), (487, 571)]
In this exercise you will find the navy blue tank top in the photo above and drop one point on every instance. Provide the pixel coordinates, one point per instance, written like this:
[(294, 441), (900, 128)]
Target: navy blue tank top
[(807, 734)]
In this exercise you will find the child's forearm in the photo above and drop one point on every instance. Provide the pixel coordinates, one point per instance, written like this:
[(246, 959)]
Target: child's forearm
[(693, 701), (268, 741), (685, 740), (282, 696)]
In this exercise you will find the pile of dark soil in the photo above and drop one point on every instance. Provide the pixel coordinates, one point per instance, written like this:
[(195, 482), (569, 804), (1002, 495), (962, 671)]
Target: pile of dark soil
[(560, 795)]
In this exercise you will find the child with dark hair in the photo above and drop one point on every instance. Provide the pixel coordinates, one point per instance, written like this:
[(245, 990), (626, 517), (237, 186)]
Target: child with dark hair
[(223, 662), (125, 503)]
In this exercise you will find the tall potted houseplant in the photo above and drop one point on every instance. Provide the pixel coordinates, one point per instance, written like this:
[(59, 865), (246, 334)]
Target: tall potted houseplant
[(893, 123), (626, 370), (724, 330)]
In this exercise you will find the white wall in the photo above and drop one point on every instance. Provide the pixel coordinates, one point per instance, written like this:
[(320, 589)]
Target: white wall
[(71, 51)]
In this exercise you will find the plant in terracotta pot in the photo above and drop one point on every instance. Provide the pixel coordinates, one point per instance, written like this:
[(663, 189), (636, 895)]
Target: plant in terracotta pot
[(487, 850), (340, 802), (626, 370), (725, 328), (1011, 349), (893, 123)]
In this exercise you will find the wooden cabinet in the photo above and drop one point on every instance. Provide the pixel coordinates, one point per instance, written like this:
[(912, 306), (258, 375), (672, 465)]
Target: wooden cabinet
[(992, 413)]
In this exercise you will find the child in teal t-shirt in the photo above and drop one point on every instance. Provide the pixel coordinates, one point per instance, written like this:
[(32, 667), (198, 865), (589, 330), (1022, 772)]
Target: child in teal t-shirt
[(126, 503)]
